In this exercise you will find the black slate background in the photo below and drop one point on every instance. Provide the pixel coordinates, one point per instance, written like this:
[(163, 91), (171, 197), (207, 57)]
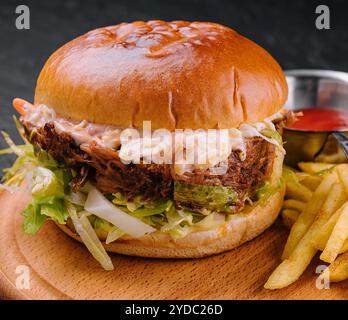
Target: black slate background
[(285, 28)]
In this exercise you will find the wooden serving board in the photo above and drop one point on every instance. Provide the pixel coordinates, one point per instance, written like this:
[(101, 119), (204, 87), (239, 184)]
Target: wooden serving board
[(61, 268)]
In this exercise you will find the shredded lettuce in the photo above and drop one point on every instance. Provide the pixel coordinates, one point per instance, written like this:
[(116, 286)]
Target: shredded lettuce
[(33, 218), (261, 192), (289, 174), (140, 208), (13, 148), (121, 200), (181, 223), (97, 204), (47, 192), (48, 184), (273, 134), (55, 210), (85, 230), (45, 185), (265, 192), (161, 214), (101, 226), (27, 160)]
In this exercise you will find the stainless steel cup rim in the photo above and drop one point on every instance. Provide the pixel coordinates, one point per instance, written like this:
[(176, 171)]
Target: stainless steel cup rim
[(315, 88), (317, 73), (314, 131)]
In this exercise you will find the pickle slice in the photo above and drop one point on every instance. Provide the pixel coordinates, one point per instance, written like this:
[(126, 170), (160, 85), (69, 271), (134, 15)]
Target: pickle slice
[(216, 198)]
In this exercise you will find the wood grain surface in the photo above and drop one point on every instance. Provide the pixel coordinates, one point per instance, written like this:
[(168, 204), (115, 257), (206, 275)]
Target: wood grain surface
[(61, 268)]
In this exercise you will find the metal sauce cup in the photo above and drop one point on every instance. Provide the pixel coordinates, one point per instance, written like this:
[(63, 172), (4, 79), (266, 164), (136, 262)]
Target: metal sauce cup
[(315, 89)]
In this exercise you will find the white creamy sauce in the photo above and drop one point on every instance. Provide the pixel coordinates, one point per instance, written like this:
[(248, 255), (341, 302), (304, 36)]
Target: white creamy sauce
[(187, 149)]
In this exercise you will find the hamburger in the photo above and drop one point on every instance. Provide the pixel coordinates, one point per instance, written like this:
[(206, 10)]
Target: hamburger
[(94, 162)]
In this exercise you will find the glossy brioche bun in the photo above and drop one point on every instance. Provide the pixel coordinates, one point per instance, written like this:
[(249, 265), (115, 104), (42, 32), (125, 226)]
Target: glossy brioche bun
[(176, 74), (242, 227)]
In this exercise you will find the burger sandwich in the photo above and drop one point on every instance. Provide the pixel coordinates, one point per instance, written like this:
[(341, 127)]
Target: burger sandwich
[(154, 139)]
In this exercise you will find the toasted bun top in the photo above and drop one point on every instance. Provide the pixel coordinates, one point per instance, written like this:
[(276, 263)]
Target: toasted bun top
[(176, 74)]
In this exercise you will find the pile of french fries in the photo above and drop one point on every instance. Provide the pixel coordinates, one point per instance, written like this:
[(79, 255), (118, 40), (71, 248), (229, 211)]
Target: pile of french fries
[(316, 211)]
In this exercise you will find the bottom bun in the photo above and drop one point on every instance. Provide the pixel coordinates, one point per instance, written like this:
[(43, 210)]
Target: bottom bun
[(239, 229)]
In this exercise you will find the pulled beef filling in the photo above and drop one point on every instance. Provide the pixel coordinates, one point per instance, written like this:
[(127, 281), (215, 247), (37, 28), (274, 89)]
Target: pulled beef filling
[(105, 169)]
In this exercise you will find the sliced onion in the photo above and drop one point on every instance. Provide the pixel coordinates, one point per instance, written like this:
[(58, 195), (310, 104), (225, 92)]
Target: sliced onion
[(113, 235), (87, 187), (97, 204), (88, 236), (78, 198)]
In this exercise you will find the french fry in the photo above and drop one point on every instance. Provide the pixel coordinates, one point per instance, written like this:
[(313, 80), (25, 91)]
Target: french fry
[(294, 189), (337, 157), (314, 167), (343, 249), (321, 225), (338, 270), (337, 238), (297, 191), (311, 182), (308, 215), (289, 217), (292, 268), (321, 238), (342, 170), (294, 205), (302, 175)]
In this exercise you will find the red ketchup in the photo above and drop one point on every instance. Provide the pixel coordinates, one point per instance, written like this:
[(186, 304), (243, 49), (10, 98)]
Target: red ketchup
[(321, 119)]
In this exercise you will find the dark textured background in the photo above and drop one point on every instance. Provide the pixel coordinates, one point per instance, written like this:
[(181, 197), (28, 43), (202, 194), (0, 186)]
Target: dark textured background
[(285, 28)]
